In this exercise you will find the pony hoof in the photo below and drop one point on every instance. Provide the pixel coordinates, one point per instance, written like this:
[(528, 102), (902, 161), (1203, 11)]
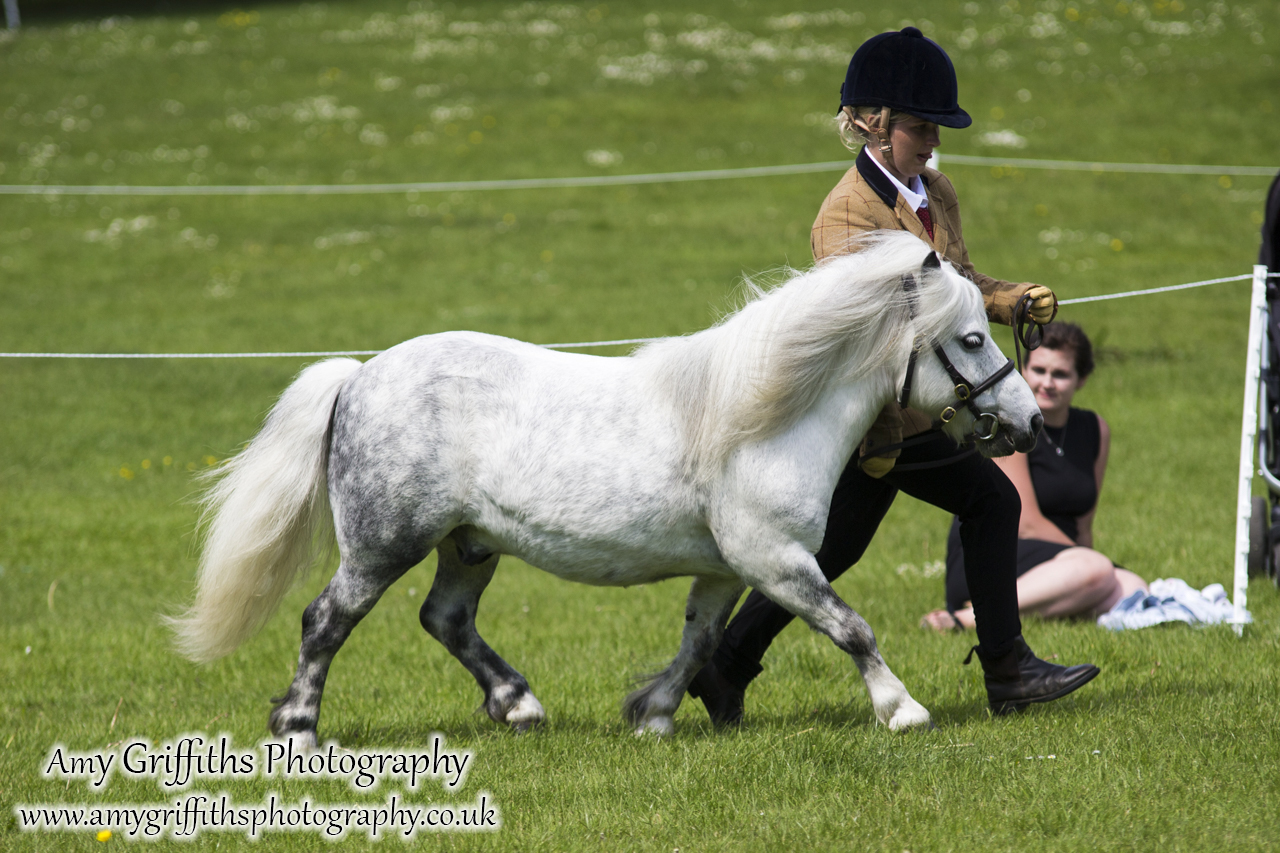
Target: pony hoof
[(525, 726), (526, 714), (656, 726), (299, 740), (910, 715)]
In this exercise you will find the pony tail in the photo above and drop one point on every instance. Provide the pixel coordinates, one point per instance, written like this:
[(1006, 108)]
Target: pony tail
[(264, 518)]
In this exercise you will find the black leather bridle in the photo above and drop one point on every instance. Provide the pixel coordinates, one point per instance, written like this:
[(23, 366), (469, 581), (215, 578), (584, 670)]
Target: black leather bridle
[(966, 392), (1027, 333)]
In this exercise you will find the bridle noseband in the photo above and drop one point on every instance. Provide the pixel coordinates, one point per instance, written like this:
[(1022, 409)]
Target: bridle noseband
[(966, 392)]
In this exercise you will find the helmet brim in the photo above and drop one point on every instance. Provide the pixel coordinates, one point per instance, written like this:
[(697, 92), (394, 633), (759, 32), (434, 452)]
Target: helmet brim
[(956, 118)]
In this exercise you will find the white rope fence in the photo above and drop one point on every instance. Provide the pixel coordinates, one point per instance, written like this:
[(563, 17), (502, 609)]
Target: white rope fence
[(1102, 298), (576, 345), (432, 186), (608, 180), (1084, 166)]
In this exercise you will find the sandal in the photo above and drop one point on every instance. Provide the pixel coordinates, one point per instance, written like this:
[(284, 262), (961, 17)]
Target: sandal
[(930, 620)]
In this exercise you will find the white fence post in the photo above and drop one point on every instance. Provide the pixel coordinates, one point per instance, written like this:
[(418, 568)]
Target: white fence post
[(1248, 432), (11, 13)]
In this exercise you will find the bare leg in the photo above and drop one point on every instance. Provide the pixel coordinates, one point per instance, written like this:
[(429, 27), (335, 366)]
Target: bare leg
[(449, 615), (652, 708), (1077, 581), (1129, 584)]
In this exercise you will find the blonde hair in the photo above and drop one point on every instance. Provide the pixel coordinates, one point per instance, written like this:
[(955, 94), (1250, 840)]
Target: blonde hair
[(858, 126)]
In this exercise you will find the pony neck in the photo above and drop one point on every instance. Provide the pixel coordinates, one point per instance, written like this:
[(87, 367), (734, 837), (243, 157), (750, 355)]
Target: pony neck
[(839, 421)]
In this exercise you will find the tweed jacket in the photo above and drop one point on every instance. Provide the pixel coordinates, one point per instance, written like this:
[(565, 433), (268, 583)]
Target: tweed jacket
[(866, 200)]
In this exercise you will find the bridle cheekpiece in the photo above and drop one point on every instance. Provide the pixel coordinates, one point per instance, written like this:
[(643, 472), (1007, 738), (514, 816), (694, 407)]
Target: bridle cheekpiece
[(966, 392)]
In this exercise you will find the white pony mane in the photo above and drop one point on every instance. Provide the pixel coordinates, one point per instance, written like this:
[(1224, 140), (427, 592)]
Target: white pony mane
[(760, 369)]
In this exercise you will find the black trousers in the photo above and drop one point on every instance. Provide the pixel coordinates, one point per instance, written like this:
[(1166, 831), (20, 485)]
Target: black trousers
[(971, 487)]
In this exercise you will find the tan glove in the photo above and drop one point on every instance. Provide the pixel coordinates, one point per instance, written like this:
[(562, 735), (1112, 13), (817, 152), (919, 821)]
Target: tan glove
[(1044, 305), (877, 466)]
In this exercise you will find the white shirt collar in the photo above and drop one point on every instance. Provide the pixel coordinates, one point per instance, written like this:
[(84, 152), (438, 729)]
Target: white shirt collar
[(915, 197)]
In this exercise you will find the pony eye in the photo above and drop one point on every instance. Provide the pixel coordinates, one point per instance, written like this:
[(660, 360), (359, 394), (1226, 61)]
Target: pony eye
[(972, 342)]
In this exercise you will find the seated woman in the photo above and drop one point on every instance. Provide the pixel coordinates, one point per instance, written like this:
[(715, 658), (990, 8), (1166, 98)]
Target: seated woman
[(1059, 573)]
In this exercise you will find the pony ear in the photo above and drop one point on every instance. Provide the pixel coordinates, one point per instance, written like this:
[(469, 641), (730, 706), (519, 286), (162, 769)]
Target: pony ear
[(931, 262)]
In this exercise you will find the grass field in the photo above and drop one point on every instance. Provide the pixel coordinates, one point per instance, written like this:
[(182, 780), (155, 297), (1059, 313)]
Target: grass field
[(1174, 747)]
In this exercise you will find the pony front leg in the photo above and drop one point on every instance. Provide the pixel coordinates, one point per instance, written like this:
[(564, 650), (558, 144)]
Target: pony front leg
[(652, 708), (795, 582)]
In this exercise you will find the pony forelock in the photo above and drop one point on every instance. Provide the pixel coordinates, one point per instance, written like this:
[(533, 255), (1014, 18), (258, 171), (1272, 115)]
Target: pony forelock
[(761, 368)]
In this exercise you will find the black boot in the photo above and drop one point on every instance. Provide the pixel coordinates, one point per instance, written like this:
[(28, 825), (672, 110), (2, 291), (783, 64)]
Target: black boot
[(723, 698), (1018, 678)]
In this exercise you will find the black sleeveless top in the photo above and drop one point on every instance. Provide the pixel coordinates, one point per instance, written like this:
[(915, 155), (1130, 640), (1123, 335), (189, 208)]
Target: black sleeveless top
[(1065, 490), (1062, 472)]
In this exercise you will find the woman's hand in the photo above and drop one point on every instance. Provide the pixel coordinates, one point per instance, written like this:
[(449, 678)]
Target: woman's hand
[(1044, 305), (877, 466)]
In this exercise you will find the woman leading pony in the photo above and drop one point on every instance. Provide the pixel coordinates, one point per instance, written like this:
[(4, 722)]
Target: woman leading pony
[(899, 88)]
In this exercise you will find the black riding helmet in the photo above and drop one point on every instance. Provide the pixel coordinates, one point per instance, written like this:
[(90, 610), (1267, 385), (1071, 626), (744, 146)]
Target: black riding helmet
[(905, 71)]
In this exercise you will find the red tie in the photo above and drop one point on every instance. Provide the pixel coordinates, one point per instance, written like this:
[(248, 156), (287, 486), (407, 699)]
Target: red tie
[(925, 220)]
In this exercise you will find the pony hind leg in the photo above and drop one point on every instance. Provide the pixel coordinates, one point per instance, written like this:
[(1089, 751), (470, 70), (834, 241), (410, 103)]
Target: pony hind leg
[(326, 624), (797, 584), (652, 708), (449, 615)]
